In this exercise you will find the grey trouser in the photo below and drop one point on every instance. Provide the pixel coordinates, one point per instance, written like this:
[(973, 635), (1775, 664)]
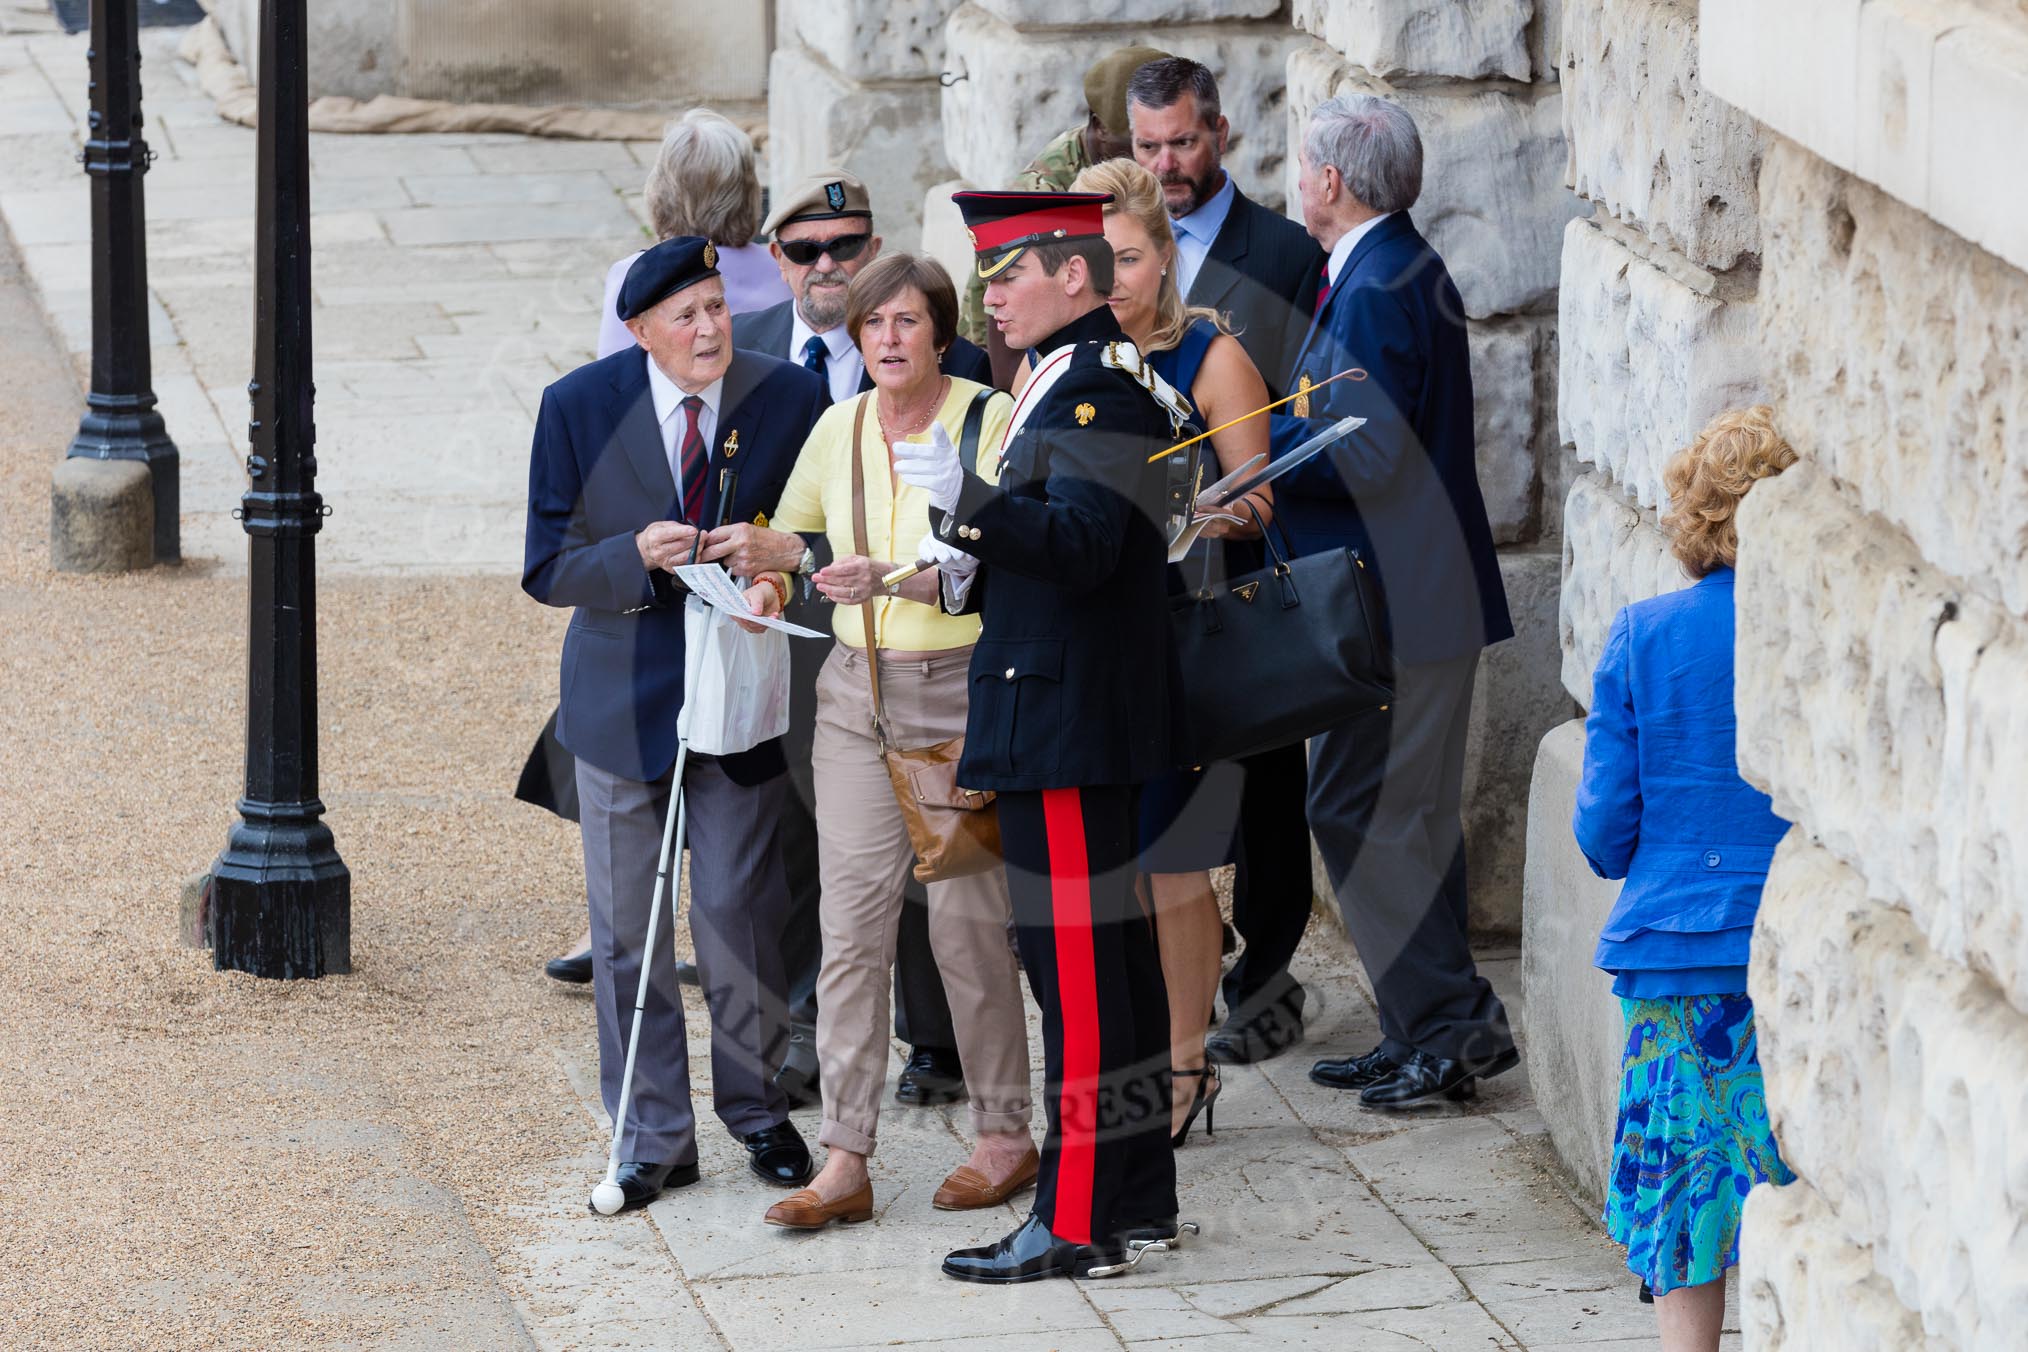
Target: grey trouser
[(1385, 796), (864, 848), (737, 899)]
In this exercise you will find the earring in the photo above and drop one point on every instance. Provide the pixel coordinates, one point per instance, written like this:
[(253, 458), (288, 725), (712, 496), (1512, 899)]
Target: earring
[(1165, 272)]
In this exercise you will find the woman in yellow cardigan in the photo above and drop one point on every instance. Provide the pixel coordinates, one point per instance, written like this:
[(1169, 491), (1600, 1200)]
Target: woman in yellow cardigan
[(902, 313)]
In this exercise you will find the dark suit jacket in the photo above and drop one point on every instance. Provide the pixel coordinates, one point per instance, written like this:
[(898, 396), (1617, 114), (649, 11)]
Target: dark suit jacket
[(1074, 679), (597, 474), (769, 331), (1404, 489), (1263, 271)]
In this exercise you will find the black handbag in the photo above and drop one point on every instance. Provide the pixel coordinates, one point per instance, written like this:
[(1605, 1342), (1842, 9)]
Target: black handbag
[(1281, 653)]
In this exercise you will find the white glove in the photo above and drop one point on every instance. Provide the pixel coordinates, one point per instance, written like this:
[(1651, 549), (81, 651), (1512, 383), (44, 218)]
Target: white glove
[(945, 555), (931, 466)]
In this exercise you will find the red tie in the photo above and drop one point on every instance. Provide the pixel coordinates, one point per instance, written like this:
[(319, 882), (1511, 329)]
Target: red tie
[(1323, 286), (693, 461)]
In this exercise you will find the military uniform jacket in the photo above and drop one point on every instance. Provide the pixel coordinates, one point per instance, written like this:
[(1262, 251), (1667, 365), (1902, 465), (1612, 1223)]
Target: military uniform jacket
[(1073, 680)]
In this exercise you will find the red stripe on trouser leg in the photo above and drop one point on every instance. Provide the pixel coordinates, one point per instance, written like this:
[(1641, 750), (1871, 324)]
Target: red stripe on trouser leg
[(1077, 1012)]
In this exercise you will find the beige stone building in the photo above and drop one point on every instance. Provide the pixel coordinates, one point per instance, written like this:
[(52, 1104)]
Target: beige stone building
[(1656, 209)]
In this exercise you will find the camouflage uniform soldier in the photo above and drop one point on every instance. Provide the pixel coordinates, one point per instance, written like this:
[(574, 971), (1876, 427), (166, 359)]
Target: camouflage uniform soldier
[(1104, 136)]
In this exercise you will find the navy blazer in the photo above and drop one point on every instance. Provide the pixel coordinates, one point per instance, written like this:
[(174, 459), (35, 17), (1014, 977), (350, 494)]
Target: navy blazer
[(1404, 489), (1262, 271), (1661, 803), (1074, 679), (769, 331), (597, 475)]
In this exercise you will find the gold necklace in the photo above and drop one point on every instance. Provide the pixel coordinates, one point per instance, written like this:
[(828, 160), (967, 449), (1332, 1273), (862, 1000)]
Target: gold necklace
[(914, 422)]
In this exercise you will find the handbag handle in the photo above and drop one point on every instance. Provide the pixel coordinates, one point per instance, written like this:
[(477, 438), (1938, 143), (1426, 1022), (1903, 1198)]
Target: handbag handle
[(859, 544), (1285, 578), (968, 460)]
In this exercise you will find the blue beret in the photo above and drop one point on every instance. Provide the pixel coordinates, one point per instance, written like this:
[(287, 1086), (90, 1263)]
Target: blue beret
[(683, 260)]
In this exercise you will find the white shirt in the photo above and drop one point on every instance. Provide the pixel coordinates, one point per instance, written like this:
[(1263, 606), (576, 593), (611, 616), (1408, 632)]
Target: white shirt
[(669, 397), (1195, 232), (843, 366), (1341, 252)]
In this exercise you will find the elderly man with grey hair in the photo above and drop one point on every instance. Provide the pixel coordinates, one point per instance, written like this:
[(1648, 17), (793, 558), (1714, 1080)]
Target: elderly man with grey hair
[(1402, 491)]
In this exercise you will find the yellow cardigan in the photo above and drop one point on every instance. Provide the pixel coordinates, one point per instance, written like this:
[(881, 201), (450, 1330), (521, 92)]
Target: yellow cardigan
[(819, 498)]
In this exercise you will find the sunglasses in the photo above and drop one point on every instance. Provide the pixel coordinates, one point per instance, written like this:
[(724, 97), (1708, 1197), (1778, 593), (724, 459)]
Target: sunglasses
[(843, 249)]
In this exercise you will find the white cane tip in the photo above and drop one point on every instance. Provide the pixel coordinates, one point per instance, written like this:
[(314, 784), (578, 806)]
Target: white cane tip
[(608, 1198)]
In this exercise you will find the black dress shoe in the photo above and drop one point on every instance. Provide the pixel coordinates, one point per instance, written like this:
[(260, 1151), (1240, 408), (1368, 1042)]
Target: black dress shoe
[(643, 1183), (1426, 1079), (1354, 1072), (778, 1155), (1267, 1034), (1029, 1255), (798, 1076), (932, 1076), (686, 973), (574, 970)]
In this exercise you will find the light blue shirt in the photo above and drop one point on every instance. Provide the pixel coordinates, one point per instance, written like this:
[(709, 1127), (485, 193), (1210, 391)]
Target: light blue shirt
[(1195, 232)]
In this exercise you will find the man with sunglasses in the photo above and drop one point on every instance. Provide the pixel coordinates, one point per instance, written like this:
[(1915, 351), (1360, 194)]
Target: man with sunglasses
[(822, 235)]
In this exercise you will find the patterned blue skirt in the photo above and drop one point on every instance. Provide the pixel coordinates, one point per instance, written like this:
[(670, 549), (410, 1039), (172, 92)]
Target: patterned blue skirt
[(1693, 1137)]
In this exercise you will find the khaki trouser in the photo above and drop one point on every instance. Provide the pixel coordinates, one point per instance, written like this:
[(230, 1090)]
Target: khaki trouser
[(864, 856)]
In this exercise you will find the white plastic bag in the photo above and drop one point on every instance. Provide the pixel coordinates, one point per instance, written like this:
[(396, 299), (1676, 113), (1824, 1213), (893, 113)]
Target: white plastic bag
[(735, 684)]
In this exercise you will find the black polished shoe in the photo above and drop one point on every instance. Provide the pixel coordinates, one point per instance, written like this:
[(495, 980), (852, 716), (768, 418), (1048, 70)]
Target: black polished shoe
[(1267, 1034), (1355, 1072), (1424, 1079), (1029, 1255), (686, 973), (932, 1076), (574, 970), (798, 1076), (778, 1155), (643, 1182)]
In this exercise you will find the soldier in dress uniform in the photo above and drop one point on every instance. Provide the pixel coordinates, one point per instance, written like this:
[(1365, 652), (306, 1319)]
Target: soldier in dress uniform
[(1075, 703)]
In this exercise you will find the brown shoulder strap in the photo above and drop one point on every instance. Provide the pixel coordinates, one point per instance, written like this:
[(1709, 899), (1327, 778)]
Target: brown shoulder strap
[(859, 543)]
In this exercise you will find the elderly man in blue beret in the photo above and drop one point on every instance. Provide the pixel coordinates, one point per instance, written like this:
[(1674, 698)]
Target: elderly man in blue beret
[(636, 454)]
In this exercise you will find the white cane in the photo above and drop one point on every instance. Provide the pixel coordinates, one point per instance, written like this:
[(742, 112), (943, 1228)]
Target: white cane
[(608, 1197)]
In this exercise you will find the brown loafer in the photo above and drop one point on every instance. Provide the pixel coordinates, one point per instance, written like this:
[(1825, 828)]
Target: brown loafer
[(967, 1189), (804, 1210)]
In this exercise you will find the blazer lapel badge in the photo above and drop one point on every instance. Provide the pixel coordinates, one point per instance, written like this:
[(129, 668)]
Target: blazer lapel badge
[(731, 446), (1302, 404)]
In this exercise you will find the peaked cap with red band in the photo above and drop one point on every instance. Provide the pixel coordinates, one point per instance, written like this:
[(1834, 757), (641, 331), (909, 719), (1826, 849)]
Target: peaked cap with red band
[(1003, 224)]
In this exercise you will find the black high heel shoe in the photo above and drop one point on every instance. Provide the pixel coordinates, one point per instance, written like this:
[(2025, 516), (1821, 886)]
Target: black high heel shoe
[(1209, 1087)]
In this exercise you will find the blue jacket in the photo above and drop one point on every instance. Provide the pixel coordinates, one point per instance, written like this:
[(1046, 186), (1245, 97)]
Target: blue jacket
[(597, 474), (1661, 803), (1404, 489)]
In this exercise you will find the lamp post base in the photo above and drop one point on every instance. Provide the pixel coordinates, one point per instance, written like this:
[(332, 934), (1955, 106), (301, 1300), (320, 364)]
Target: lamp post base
[(128, 427), (281, 899)]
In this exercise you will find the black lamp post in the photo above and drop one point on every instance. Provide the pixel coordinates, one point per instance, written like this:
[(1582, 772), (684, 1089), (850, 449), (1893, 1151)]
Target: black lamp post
[(281, 902), (120, 421)]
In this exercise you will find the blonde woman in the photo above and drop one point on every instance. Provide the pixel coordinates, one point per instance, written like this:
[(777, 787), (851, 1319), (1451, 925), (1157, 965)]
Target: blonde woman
[(1188, 817), (902, 312), (704, 182), (1662, 805)]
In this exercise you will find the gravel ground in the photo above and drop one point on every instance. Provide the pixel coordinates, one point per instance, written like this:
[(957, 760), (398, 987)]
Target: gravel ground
[(205, 1159)]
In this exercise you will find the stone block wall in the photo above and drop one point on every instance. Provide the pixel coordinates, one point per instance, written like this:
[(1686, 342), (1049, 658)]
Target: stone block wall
[(1482, 83), (1883, 666), (853, 84), (1777, 214)]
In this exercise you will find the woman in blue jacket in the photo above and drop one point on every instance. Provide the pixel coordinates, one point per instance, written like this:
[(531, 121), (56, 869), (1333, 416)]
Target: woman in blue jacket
[(1662, 805)]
